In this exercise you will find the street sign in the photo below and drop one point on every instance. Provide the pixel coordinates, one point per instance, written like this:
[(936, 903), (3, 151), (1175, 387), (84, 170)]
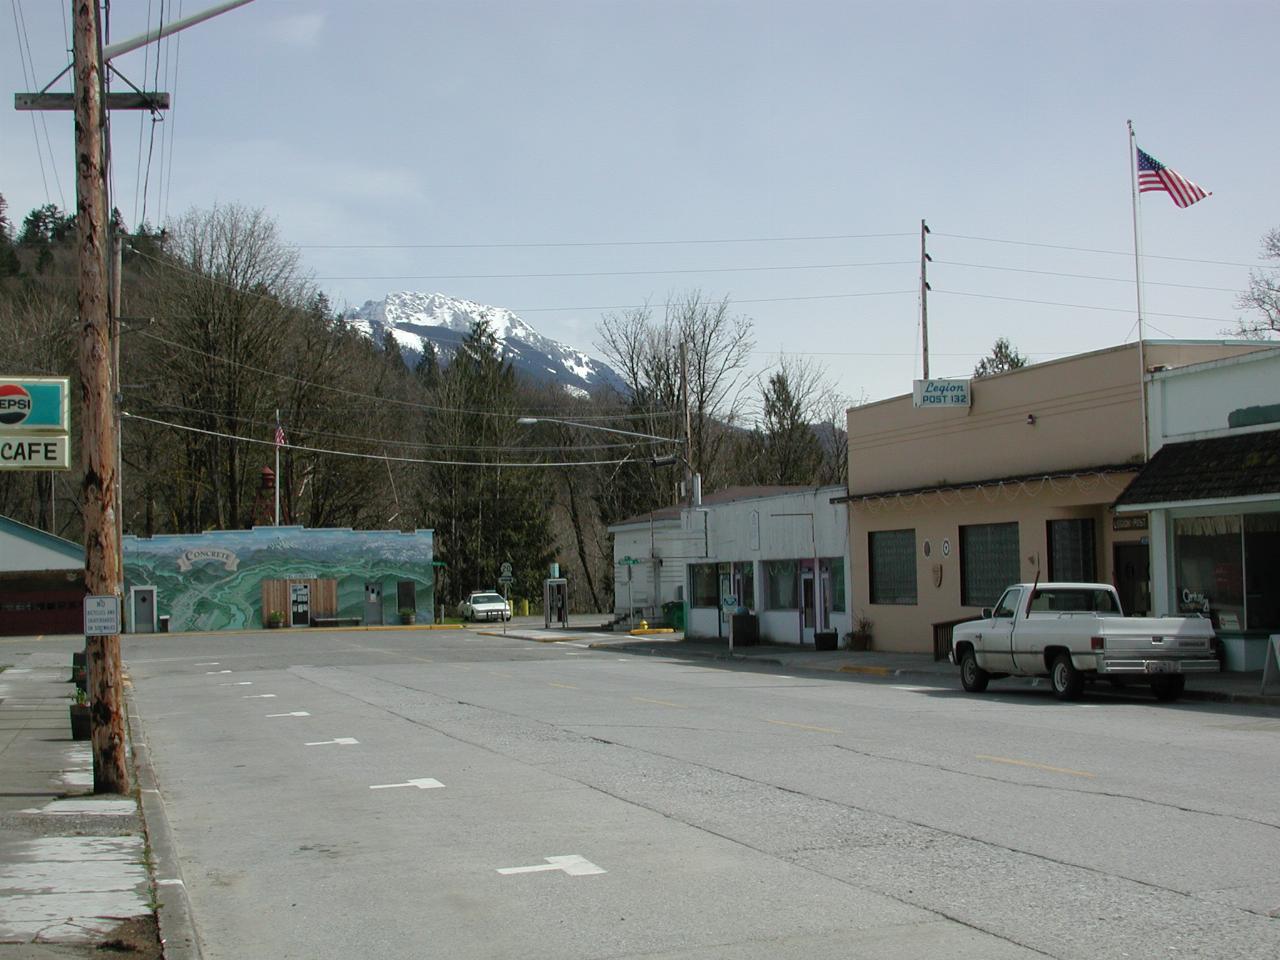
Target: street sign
[(506, 569), (630, 561), (506, 578), (101, 616)]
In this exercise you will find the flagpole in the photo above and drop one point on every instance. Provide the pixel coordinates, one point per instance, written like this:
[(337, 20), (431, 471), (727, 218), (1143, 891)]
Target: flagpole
[(277, 440), (1137, 270)]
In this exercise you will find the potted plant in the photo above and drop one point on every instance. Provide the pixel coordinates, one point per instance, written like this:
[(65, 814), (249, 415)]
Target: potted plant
[(80, 728), (275, 619), (859, 638), (408, 615)]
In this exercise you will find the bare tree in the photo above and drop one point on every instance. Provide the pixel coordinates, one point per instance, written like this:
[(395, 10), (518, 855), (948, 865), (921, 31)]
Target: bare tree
[(1263, 295)]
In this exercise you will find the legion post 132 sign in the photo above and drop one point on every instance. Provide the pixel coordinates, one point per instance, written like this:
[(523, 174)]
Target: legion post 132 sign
[(35, 421), (940, 394)]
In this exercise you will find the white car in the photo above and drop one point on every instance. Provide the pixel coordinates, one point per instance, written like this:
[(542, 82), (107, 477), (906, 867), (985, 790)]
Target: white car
[(484, 605)]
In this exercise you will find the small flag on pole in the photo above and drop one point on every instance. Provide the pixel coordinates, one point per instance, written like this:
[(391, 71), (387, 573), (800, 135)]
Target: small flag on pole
[(1154, 175), (280, 441)]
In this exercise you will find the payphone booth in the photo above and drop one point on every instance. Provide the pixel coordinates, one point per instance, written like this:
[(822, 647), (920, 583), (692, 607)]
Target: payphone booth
[(555, 602)]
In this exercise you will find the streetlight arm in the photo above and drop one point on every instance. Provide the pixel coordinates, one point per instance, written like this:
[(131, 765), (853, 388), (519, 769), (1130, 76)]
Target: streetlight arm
[(529, 421)]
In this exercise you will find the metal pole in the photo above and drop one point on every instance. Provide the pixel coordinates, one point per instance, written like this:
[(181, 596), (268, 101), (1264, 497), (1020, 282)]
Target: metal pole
[(1137, 269), (117, 265), (277, 440), (688, 423), (126, 46)]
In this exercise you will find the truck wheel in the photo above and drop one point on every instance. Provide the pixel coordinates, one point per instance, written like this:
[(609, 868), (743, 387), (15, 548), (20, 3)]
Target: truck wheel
[(972, 677), (1068, 682), (1168, 689)]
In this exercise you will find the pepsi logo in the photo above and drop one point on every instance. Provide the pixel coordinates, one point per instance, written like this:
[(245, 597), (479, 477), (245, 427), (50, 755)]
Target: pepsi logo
[(15, 403)]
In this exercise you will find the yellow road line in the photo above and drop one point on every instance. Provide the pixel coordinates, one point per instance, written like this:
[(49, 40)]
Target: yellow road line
[(1037, 766), (802, 726), (562, 686), (661, 703)]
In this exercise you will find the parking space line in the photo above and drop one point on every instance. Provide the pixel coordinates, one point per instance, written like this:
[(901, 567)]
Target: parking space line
[(563, 686), (661, 703)]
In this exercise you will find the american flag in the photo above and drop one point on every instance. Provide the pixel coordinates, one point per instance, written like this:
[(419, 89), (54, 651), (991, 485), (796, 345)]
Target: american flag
[(279, 435), (1154, 175)]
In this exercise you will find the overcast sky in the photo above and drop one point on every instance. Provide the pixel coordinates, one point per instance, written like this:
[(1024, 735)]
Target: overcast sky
[(617, 138)]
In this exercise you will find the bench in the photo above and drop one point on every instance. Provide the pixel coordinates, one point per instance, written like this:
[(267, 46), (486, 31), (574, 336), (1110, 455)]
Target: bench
[(335, 621)]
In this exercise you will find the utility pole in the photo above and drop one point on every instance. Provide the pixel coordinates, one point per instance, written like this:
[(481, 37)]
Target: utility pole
[(688, 423), (925, 259), (98, 439)]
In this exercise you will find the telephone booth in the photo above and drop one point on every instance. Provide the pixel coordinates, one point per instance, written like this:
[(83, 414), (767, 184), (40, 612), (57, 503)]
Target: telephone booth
[(555, 602)]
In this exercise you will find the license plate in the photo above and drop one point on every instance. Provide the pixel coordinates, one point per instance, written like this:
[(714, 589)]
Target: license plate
[(1157, 666)]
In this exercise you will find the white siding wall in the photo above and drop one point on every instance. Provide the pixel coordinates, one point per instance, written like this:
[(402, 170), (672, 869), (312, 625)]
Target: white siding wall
[(1194, 401)]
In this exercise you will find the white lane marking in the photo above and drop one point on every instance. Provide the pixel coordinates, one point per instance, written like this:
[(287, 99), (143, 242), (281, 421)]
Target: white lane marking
[(341, 741), (573, 865), (213, 672), (422, 783), (237, 683), (912, 689), (258, 696), (215, 663), (296, 713)]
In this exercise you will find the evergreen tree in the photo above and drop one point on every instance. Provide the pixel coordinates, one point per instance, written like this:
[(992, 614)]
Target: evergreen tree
[(9, 265), (1003, 357)]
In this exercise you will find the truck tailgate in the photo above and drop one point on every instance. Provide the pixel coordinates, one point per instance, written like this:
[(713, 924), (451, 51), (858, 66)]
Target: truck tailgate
[(1157, 645)]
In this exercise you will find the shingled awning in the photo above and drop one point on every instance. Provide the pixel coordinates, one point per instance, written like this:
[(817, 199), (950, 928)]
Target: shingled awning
[(1246, 465)]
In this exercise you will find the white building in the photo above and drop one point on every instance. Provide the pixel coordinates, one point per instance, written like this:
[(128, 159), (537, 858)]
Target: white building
[(1210, 496), (746, 548)]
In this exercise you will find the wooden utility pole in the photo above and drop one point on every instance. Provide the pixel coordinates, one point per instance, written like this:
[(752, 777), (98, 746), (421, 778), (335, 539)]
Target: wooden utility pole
[(98, 439), (924, 299)]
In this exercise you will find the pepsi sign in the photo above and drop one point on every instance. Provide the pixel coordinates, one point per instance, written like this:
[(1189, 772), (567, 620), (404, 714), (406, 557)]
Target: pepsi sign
[(15, 404), (34, 405)]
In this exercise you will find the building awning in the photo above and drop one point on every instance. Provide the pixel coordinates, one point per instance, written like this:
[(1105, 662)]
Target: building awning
[(1240, 468)]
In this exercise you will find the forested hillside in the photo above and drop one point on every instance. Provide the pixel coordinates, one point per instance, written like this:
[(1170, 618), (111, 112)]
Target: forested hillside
[(221, 329)]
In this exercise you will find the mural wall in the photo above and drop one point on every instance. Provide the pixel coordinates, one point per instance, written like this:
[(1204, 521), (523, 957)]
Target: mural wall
[(213, 580)]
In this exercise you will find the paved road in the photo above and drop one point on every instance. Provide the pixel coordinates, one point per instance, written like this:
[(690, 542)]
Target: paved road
[(593, 805)]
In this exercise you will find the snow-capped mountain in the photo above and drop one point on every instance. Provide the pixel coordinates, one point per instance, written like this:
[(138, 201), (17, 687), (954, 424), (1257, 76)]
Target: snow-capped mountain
[(415, 318)]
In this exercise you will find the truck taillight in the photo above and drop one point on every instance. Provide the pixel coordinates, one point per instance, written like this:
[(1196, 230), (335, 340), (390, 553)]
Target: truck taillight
[(1095, 643)]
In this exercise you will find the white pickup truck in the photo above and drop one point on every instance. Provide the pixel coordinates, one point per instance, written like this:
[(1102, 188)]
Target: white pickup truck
[(1073, 632)]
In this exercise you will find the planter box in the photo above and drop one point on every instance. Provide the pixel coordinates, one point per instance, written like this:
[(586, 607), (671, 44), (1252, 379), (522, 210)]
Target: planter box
[(80, 727)]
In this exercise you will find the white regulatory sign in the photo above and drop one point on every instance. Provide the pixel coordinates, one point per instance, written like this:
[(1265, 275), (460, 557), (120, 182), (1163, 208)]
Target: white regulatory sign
[(101, 616)]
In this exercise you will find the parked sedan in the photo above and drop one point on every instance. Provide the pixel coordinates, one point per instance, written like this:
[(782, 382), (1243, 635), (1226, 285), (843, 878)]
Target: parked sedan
[(484, 605)]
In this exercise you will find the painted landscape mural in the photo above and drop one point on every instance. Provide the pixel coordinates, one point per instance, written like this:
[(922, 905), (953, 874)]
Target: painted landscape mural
[(213, 580)]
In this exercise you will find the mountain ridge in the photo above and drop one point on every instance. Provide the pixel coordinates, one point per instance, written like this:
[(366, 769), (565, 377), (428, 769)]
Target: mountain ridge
[(414, 319)]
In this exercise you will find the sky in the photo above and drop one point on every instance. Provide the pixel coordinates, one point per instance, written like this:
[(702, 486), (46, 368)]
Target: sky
[(572, 158)]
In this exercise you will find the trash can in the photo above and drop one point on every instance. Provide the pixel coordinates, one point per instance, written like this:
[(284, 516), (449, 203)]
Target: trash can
[(673, 613), (745, 629), (162, 623), (825, 640)]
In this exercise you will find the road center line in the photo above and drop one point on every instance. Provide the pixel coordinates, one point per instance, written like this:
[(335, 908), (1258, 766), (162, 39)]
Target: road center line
[(1037, 766), (661, 703), (802, 726), (295, 713), (562, 686)]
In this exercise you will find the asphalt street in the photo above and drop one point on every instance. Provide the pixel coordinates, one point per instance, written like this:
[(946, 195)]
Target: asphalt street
[(457, 794)]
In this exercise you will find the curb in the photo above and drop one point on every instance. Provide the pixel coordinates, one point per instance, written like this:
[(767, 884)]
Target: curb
[(178, 939)]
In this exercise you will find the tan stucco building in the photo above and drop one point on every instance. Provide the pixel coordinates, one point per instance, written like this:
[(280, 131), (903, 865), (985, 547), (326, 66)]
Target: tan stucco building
[(948, 506)]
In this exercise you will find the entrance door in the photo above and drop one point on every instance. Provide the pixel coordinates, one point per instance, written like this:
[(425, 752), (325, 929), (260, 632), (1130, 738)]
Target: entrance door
[(373, 603), (808, 614), (726, 591), (300, 602), (144, 609), (1133, 578)]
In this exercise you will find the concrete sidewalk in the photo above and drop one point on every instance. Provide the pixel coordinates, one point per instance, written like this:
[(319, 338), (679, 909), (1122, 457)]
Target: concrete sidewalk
[(1238, 688), (74, 877)]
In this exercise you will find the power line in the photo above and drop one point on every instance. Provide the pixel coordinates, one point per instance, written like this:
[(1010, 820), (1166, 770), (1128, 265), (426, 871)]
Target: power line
[(477, 447), (1117, 253), (498, 244), (365, 396), (1079, 306), (375, 456), (1082, 276), (624, 273)]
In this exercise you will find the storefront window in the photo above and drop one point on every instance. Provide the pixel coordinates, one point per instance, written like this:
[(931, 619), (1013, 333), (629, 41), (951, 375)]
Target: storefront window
[(1209, 575), (1071, 551), (780, 577), (988, 562), (1262, 571), (704, 587), (891, 561), (833, 583)]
